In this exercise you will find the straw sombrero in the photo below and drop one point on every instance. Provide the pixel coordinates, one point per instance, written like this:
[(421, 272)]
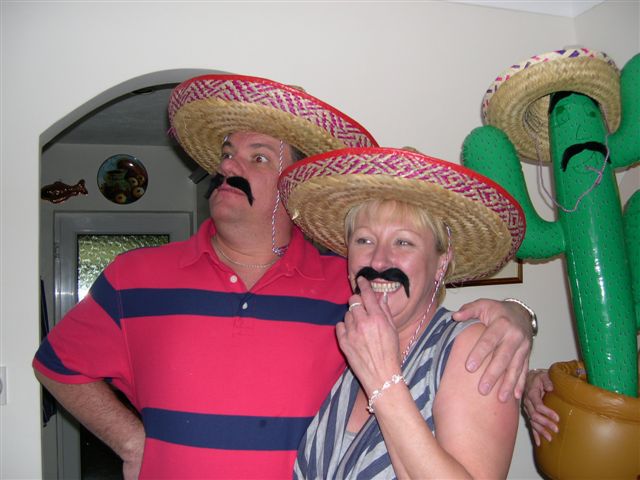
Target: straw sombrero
[(487, 224), (517, 101), (205, 109)]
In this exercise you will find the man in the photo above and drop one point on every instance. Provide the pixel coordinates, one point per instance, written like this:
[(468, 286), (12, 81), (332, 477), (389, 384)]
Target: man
[(225, 343)]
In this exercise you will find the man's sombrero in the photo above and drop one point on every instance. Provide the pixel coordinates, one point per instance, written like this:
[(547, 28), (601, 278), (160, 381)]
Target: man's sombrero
[(205, 109), (517, 101), (487, 224)]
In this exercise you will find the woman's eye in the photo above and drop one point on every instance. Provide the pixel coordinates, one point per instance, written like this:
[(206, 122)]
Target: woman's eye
[(261, 159), (362, 241), (404, 243), (225, 155)]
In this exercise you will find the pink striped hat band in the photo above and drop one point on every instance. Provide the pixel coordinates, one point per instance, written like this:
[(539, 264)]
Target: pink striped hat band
[(487, 224), (205, 109)]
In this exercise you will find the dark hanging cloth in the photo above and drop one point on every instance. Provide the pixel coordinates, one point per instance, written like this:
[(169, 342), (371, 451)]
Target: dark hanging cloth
[(48, 402)]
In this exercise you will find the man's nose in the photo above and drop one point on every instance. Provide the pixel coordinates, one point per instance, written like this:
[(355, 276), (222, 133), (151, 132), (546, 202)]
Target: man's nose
[(231, 167)]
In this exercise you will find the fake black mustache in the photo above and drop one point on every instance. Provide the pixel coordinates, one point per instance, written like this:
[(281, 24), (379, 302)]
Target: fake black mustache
[(390, 274), (240, 183), (579, 147)]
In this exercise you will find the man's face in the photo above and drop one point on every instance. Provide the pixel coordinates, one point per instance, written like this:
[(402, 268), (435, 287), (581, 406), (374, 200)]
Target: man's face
[(382, 241), (254, 157)]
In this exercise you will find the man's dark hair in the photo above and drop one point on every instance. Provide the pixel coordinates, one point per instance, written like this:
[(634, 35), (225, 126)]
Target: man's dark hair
[(296, 155)]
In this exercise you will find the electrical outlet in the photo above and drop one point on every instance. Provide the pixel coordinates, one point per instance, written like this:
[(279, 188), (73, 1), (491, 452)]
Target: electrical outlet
[(3, 385)]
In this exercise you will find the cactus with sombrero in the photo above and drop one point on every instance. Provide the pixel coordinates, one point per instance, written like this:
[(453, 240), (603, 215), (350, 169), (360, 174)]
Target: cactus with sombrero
[(574, 109)]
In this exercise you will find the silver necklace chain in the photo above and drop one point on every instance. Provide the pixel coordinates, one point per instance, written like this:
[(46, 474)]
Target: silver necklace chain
[(240, 264), (438, 282)]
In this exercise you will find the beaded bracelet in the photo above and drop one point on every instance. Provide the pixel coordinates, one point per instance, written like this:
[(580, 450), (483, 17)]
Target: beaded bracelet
[(395, 379)]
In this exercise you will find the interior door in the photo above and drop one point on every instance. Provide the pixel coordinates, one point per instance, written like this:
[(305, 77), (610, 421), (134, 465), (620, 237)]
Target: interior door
[(84, 244)]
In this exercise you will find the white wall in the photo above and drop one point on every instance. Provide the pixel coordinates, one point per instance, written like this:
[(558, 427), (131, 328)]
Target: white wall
[(413, 73), (169, 188)]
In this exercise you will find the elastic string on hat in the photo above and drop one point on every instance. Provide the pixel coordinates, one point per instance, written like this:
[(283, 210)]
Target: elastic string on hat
[(596, 182), (280, 251), (437, 285)]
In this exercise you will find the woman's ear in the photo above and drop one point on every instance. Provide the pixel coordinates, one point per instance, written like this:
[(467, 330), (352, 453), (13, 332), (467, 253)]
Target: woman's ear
[(443, 264)]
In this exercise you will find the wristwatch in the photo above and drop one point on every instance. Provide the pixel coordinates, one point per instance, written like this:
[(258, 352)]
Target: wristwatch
[(532, 314)]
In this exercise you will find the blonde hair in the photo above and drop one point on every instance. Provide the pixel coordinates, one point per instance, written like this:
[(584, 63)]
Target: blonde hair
[(419, 218)]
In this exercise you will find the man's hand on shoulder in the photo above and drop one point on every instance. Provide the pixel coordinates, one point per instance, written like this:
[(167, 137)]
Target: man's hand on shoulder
[(508, 339)]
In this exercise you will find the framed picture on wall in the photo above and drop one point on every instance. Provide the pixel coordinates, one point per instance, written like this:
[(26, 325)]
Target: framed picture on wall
[(510, 273)]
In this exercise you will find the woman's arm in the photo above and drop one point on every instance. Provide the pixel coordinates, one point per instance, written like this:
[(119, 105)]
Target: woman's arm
[(475, 434)]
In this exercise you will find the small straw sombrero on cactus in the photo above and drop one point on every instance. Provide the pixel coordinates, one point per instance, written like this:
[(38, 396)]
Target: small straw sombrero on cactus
[(517, 101), (487, 224), (205, 109)]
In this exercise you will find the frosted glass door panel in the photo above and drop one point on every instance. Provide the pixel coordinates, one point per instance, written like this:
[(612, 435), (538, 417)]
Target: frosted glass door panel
[(96, 251)]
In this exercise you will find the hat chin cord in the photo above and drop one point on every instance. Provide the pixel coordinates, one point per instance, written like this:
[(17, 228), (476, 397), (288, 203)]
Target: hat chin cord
[(280, 251), (437, 284)]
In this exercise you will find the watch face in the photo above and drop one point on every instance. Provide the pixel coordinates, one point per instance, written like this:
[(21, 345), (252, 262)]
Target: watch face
[(122, 179)]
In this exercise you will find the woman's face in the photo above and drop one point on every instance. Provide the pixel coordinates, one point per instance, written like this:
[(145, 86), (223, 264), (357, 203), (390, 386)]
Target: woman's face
[(383, 239)]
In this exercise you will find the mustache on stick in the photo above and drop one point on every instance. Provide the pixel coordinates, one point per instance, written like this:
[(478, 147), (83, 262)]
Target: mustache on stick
[(390, 274)]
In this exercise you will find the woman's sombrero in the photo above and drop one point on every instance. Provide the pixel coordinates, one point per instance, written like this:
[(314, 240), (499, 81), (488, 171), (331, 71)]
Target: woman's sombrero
[(205, 109), (487, 224), (517, 101)]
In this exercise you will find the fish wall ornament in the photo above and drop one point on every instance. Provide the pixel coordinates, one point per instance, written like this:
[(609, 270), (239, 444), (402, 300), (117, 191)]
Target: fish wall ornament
[(58, 192)]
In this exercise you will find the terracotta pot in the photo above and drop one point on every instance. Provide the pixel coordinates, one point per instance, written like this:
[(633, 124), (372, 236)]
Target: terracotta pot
[(599, 431)]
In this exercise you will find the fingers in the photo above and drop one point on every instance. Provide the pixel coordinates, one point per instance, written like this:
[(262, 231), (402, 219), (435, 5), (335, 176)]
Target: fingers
[(510, 347), (547, 417), (515, 376), (468, 311), (536, 437), (486, 344), (495, 369), (543, 426), (369, 300), (546, 381), (538, 430), (522, 381), (540, 425), (543, 420)]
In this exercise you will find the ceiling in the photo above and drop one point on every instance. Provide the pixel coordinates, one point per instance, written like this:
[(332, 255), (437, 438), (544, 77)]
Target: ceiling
[(140, 117), (562, 8)]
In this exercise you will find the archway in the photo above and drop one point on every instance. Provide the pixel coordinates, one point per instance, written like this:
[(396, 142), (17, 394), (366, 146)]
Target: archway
[(130, 115)]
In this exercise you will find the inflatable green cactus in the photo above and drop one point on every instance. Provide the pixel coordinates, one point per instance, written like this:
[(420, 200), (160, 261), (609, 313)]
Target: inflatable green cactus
[(557, 107)]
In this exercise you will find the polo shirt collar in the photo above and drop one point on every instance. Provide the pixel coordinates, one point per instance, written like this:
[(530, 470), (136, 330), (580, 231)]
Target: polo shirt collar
[(200, 244), (301, 255)]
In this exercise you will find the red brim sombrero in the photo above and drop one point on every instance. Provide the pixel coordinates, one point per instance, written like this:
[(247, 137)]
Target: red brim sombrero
[(517, 102), (487, 224), (205, 109)]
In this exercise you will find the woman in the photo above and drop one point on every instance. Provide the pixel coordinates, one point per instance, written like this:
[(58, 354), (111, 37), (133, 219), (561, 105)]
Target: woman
[(405, 407)]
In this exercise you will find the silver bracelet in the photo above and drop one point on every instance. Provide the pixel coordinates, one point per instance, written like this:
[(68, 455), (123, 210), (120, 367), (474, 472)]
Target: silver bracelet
[(532, 314), (395, 379)]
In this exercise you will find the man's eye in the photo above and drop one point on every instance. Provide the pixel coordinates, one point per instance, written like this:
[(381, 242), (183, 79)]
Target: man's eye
[(261, 159)]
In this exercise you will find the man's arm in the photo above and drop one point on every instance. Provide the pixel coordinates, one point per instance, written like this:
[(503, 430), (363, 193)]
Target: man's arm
[(97, 407), (508, 337)]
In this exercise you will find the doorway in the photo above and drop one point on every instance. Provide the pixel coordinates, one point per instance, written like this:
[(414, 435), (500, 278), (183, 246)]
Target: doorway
[(84, 245), (77, 228)]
